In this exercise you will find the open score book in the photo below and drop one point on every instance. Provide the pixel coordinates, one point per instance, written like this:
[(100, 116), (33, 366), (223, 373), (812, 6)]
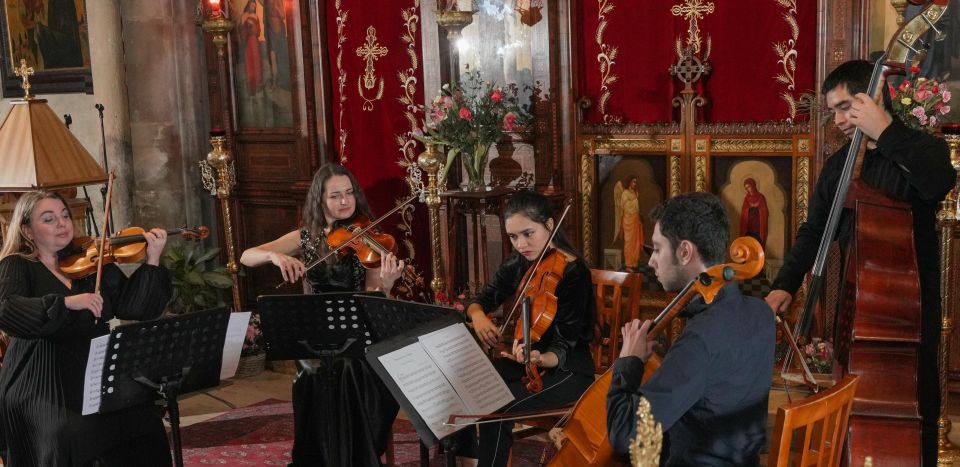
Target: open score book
[(445, 372)]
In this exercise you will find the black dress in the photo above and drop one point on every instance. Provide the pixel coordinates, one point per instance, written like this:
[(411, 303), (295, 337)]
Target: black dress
[(41, 382), (354, 431)]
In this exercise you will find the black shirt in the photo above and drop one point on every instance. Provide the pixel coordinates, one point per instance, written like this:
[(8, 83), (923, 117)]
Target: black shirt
[(570, 333), (710, 393), (908, 165)]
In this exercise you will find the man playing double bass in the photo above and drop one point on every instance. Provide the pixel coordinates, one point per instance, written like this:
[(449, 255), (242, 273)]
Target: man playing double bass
[(905, 164), (710, 393)]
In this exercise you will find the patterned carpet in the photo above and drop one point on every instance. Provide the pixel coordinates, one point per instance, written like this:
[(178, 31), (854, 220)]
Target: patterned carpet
[(262, 434)]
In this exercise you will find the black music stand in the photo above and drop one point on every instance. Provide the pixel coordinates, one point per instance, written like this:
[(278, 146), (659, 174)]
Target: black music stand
[(334, 325), (164, 357)]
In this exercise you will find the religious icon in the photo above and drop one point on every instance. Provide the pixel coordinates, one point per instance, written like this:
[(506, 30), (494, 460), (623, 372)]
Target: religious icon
[(754, 212), (627, 221), (251, 30)]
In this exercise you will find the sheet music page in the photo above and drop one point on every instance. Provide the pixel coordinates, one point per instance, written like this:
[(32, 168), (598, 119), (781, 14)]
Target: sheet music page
[(467, 368), (93, 375), (428, 390), (233, 344)]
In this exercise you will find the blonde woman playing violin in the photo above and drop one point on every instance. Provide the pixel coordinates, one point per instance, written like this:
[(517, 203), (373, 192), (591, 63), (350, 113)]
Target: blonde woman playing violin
[(51, 319), (563, 350)]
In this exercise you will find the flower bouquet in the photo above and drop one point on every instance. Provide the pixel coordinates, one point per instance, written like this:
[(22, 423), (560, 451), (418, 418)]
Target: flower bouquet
[(819, 355), (468, 120), (920, 104)]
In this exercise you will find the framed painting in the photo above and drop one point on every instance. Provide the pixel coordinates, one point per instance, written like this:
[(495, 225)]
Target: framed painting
[(757, 191), (628, 187), (262, 63), (51, 37)]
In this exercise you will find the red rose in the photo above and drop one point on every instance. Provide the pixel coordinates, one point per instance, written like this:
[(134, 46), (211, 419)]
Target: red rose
[(509, 120), (914, 69), (465, 113), (496, 95)]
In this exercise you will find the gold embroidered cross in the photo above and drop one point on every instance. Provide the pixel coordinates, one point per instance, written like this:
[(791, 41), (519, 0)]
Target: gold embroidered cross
[(370, 51), (693, 10), (24, 72)]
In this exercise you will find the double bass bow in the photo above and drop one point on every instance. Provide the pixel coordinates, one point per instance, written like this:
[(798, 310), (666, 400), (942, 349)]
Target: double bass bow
[(878, 330), (585, 438)]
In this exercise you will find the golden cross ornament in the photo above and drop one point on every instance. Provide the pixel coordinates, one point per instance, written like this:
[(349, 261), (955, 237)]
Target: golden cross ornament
[(24, 72), (371, 51), (693, 10)]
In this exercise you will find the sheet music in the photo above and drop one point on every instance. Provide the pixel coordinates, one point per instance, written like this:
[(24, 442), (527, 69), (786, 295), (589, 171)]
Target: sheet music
[(233, 344), (94, 374), (426, 388), (470, 372)]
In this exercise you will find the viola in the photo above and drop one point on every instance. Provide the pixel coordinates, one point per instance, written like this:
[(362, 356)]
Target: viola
[(127, 246), (586, 441), (540, 298)]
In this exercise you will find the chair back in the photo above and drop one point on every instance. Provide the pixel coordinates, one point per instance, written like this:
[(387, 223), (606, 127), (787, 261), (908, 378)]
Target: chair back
[(810, 432), (618, 300)]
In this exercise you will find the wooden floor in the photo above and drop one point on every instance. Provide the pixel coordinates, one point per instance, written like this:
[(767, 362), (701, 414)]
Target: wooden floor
[(274, 385)]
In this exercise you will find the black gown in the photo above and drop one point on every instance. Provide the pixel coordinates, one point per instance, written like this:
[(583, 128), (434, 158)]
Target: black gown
[(41, 382), (354, 431)]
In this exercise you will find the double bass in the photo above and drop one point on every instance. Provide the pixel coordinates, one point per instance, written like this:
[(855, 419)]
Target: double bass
[(586, 441), (878, 331)]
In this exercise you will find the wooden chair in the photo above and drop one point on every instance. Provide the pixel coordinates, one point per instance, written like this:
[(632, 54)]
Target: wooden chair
[(810, 432), (609, 288)]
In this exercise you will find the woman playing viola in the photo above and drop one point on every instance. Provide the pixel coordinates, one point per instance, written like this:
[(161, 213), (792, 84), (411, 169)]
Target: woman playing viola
[(367, 409), (52, 319), (563, 351)]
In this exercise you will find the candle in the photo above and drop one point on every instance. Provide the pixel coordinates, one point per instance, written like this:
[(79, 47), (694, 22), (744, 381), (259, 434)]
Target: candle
[(214, 6)]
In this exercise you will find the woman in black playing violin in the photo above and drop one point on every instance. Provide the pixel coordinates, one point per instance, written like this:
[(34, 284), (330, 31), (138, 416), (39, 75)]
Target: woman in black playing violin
[(563, 352), (52, 318), (366, 409)]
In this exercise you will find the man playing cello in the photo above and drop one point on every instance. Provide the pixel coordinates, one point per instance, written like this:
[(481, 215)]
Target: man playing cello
[(710, 393)]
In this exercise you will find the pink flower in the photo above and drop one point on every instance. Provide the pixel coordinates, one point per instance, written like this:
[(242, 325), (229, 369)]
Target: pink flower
[(944, 110), (904, 85), (946, 96), (933, 120), (919, 113), (251, 332), (447, 102), (496, 95), (465, 113), (458, 306), (923, 94), (509, 120)]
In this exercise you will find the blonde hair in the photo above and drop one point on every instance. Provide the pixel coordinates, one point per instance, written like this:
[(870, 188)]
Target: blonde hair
[(14, 241)]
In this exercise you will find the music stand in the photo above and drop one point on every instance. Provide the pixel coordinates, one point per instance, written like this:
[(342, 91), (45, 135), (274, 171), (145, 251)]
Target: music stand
[(164, 357), (333, 325)]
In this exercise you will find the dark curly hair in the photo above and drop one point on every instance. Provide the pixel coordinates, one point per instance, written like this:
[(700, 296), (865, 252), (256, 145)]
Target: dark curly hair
[(699, 218), (313, 218)]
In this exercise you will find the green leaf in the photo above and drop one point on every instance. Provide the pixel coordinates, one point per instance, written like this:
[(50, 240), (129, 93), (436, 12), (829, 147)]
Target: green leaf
[(194, 277), (452, 153), (208, 255), (218, 280)]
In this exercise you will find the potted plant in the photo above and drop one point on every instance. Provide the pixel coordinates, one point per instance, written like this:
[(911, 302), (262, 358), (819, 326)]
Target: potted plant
[(197, 283), (252, 354)]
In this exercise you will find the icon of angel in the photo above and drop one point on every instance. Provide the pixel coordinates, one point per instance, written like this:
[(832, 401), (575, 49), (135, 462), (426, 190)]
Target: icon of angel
[(628, 222)]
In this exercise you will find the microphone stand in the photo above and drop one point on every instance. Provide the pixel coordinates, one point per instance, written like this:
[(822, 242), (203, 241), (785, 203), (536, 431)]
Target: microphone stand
[(89, 221), (106, 168)]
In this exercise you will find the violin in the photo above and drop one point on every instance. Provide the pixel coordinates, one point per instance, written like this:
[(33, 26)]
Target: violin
[(586, 441), (369, 244), (127, 246)]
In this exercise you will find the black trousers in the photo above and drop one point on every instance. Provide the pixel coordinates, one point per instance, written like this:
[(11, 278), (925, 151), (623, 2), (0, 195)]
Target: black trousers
[(495, 439)]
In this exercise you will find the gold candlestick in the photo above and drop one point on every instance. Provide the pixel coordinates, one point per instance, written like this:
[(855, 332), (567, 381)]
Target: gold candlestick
[(219, 26), (430, 163), (220, 162), (453, 21), (947, 218)]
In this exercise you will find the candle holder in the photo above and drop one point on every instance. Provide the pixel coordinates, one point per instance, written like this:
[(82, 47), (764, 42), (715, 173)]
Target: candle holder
[(430, 163), (947, 219), (219, 178)]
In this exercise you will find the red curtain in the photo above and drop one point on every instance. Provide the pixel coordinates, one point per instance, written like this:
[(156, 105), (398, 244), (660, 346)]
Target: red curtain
[(375, 50), (762, 54)]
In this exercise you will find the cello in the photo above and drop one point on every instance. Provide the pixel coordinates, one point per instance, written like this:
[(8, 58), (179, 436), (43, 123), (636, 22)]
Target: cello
[(878, 331), (586, 441)]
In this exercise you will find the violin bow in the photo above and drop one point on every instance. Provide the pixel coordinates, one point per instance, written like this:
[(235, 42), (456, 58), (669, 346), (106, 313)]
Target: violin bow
[(103, 238), (536, 264), (355, 236)]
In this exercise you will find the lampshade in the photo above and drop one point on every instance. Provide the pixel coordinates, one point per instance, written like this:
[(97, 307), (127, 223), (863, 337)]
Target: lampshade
[(38, 151)]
